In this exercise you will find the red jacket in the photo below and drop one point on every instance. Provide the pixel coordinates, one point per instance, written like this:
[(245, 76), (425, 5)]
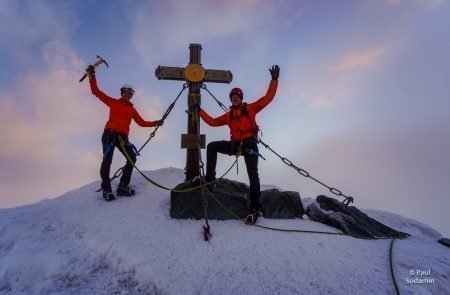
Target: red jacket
[(121, 111), (242, 126)]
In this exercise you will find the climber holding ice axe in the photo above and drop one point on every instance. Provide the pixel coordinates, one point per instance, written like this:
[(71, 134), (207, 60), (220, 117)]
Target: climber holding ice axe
[(121, 112)]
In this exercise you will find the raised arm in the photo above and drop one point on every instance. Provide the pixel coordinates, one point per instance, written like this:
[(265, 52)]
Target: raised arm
[(219, 121), (95, 91), (271, 91)]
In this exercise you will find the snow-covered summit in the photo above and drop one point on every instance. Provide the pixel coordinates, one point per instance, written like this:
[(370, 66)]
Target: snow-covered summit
[(80, 244)]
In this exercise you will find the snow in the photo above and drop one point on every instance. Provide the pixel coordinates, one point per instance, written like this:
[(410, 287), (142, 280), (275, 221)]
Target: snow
[(80, 244)]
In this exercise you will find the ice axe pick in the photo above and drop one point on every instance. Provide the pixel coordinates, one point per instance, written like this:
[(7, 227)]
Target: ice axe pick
[(96, 64)]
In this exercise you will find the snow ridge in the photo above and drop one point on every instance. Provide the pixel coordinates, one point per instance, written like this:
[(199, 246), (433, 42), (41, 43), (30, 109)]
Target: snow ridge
[(79, 244)]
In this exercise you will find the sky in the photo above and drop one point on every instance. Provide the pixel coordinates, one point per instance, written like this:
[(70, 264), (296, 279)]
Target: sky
[(362, 104)]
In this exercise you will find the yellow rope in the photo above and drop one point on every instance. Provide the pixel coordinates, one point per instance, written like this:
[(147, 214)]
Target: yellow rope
[(122, 145), (262, 226), (204, 186)]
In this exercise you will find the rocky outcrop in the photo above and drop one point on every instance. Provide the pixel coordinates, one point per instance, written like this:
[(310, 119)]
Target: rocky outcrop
[(234, 196), (349, 219), (445, 242), (281, 205)]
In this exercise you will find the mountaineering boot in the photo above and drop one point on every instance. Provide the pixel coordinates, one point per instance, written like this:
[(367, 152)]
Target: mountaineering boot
[(125, 190), (108, 195), (252, 217), (211, 183)]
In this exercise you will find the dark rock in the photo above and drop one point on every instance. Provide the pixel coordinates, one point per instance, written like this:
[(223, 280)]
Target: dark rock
[(281, 205), (234, 196), (350, 220), (445, 242)]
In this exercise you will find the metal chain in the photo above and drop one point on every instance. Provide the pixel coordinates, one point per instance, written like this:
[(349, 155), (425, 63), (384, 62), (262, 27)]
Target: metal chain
[(346, 201), (306, 174), (166, 114), (203, 86)]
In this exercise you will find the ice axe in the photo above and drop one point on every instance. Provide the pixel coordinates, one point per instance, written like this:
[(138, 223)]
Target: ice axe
[(96, 64)]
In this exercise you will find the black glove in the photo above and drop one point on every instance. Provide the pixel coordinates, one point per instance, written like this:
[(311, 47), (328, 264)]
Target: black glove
[(275, 72), (159, 122), (90, 71)]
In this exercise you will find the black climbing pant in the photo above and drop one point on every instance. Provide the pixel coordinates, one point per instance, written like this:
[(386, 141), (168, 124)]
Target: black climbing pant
[(110, 140), (251, 161)]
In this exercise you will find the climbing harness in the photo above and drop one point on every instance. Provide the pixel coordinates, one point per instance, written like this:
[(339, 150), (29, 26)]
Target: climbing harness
[(134, 149), (255, 153), (111, 145), (244, 112), (108, 149)]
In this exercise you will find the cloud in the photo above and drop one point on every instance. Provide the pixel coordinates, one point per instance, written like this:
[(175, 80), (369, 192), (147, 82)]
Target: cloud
[(28, 25), (41, 108), (320, 102), (317, 88), (356, 60), (392, 2), (149, 107), (40, 119), (429, 4), (165, 29), (49, 102), (326, 83), (47, 121)]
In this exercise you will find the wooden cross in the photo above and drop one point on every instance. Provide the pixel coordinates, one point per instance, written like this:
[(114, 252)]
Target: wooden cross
[(195, 75)]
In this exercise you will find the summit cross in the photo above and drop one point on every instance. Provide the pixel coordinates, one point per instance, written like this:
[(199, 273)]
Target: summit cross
[(195, 75)]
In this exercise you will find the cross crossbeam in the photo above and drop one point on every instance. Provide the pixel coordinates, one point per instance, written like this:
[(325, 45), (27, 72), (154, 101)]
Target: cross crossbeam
[(195, 75)]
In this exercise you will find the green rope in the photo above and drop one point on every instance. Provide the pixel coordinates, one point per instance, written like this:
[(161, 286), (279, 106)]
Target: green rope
[(122, 145), (308, 231), (391, 264), (266, 227), (204, 186)]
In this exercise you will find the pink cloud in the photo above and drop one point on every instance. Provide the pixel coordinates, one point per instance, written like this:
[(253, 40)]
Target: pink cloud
[(356, 60), (38, 117), (323, 86), (44, 119), (320, 102), (48, 105)]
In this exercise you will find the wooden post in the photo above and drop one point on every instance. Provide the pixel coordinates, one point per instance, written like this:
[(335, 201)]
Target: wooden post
[(195, 75)]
